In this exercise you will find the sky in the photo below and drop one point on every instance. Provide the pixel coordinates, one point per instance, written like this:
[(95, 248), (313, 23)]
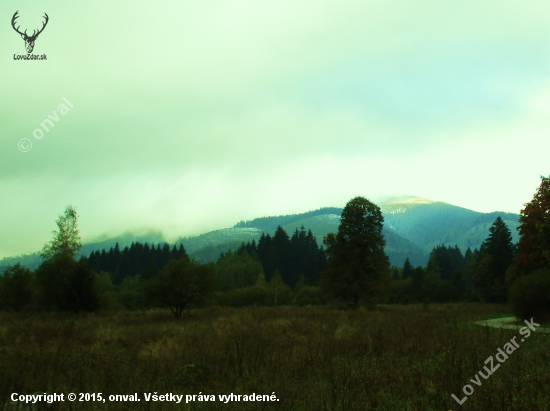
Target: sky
[(186, 117)]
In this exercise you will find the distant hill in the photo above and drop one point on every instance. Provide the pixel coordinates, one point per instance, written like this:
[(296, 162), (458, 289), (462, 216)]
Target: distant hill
[(269, 224), (207, 247), (427, 223), (412, 227)]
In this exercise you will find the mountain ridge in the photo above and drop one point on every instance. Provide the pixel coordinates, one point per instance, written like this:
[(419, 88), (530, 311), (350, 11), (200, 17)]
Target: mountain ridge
[(412, 227)]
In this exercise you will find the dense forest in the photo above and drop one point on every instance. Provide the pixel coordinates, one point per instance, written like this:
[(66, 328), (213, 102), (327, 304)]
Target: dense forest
[(138, 259)]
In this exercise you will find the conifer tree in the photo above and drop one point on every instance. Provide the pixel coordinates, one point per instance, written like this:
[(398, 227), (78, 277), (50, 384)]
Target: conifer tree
[(499, 245), (407, 269), (395, 274), (496, 255)]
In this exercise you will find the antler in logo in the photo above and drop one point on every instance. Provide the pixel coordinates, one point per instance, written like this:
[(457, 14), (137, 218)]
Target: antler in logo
[(29, 40)]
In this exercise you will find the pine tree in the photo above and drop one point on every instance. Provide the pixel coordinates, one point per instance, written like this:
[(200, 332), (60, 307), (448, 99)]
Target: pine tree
[(407, 269), (282, 255), (470, 264), (499, 245), (496, 255), (181, 251), (395, 274)]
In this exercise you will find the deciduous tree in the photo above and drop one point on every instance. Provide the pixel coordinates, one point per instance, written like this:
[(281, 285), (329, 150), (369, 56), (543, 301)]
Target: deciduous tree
[(67, 239), (62, 282), (534, 244), (357, 266), (65, 284), (181, 284)]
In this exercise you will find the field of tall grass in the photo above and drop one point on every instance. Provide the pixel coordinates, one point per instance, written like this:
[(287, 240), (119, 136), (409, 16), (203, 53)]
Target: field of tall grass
[(313, 358)]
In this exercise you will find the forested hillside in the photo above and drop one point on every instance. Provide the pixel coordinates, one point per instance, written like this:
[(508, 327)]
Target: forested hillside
[(413, 226)]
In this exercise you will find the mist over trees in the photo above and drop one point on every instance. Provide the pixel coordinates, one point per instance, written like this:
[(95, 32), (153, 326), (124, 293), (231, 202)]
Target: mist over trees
[(282, 268)]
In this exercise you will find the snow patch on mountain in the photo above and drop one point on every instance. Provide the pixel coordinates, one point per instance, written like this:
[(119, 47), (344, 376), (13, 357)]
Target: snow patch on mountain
[(327, 217), (232, 232), (394, 211)]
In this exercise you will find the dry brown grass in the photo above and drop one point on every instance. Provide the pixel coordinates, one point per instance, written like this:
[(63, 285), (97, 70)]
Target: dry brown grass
[(313, 358)]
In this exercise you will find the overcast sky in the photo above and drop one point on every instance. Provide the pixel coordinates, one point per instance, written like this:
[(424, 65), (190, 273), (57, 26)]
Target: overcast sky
[(190, 116)]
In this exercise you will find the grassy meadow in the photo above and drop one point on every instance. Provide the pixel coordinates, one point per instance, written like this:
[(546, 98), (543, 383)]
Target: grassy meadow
[(399, 357)]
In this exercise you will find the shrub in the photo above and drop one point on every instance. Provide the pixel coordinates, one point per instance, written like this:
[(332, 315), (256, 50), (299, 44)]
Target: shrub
[(309, 295), (65, 284), (530, 295), (15, 287)]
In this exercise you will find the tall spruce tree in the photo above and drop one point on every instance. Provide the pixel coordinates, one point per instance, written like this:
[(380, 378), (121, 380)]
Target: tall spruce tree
[(449, 260), (407, 269), (283, 255), (499, 245), (496, 255)]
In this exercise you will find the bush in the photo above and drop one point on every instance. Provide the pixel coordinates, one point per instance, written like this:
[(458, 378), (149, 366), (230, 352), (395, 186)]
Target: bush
[(15, 288), (180, 285), (65, 284), (530, 296), (309, 295), (401, 291), (131, 294)]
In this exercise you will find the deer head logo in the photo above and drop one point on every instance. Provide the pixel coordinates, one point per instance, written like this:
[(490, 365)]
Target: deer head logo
[(29, 40)]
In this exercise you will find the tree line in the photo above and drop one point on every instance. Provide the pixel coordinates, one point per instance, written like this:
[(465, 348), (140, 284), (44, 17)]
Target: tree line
[(138, 259), (144, 275), (350, 268), (478, 275)]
